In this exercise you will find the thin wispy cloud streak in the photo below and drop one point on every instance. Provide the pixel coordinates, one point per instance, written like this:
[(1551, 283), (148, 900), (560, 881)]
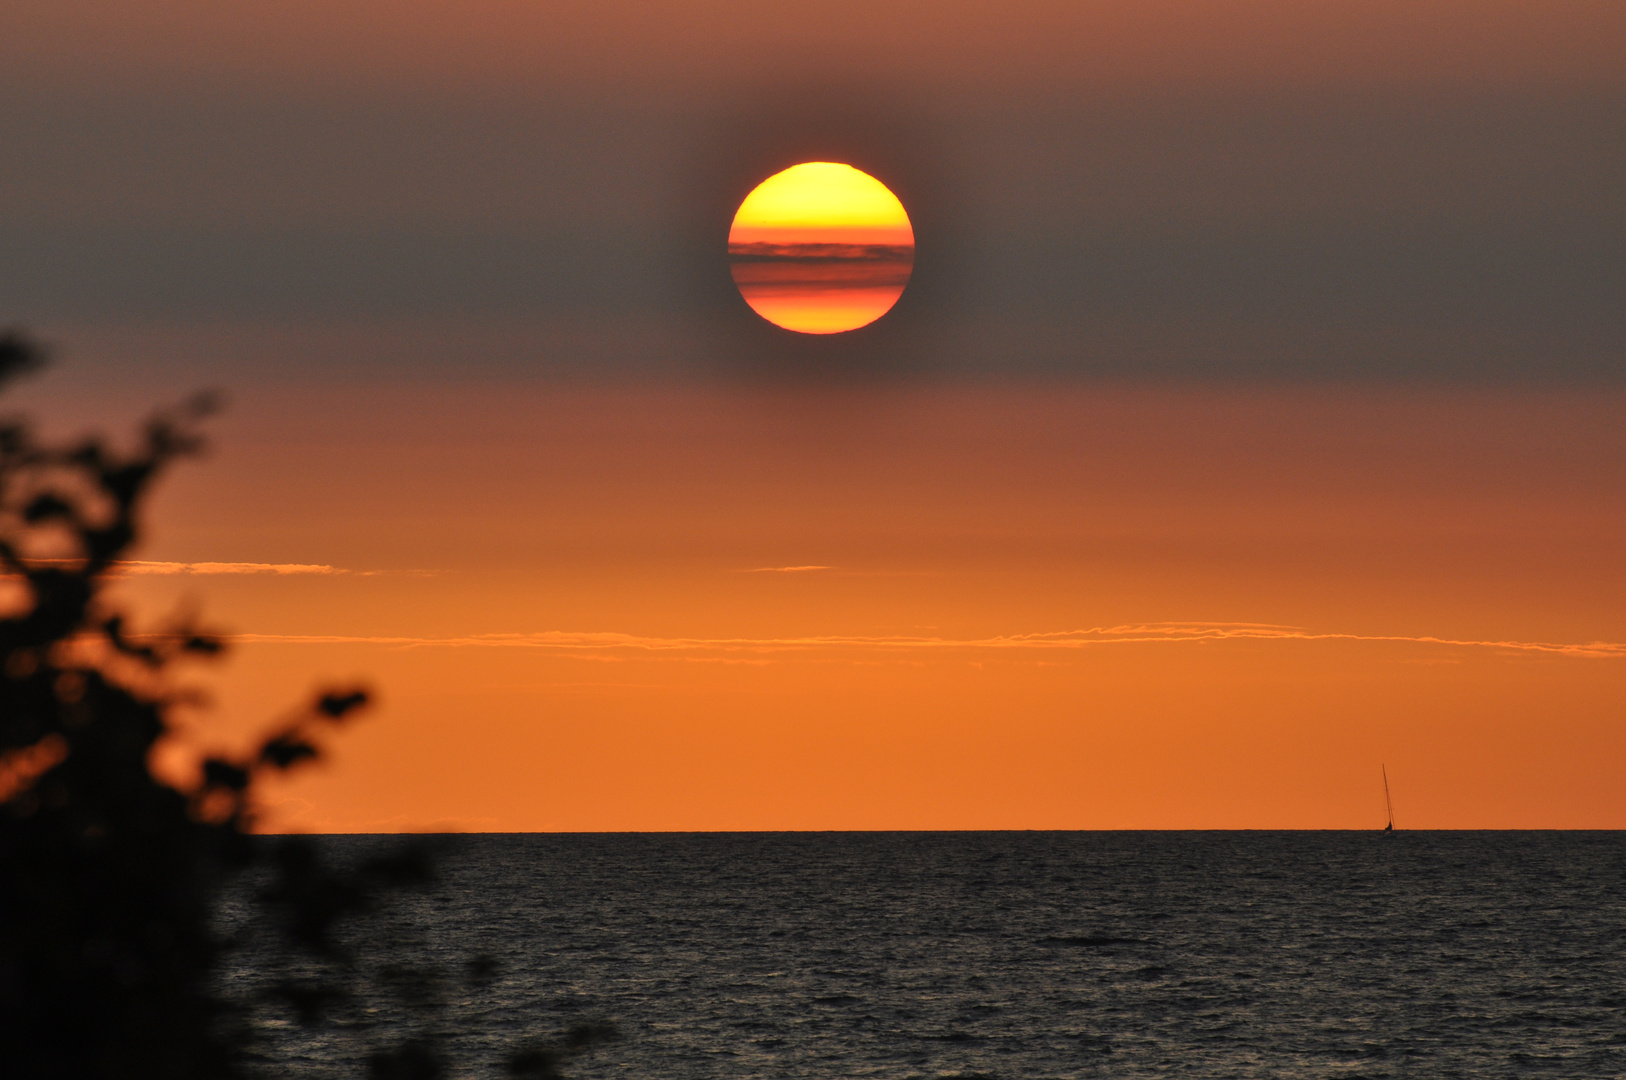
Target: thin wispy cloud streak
[(783, 569), (212, 568), (1062, 640), (143, 568)]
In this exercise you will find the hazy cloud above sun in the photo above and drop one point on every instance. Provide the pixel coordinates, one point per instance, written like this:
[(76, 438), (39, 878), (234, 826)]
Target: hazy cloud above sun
[(508, 44), (1248, 188)]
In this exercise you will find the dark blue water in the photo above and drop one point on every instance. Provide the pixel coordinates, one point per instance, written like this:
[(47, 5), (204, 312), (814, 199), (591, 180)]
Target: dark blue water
[(1022, 954)]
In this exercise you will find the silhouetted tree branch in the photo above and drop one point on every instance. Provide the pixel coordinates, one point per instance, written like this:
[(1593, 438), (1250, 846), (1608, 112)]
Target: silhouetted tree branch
[(109, 952)]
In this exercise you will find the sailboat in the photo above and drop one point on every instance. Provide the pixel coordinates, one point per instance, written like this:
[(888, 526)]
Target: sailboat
[(1388, 802)]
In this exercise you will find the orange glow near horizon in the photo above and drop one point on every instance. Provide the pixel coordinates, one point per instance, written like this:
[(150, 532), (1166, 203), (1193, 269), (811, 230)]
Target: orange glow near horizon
[(712, 608), (821, 248)]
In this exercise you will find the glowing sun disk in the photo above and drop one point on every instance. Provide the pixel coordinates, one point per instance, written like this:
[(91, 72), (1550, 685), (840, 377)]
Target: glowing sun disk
[(823, 195), (821, 248)]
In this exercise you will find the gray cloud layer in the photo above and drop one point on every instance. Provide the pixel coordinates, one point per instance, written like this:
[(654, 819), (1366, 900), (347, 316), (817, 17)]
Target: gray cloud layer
[(1391, 234)]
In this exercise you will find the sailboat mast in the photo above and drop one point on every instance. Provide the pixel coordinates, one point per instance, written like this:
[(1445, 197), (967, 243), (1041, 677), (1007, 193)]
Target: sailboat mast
[(1387, 802)]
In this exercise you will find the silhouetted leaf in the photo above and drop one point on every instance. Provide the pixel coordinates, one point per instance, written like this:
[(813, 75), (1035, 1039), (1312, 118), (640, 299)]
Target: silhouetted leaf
[(410, 864), (413, 1060), (203, 645), (284, 751), (46, 507), (223, 774), (309, 1000), (19, 354), (483, 969), (337, 706), (535, 1063)]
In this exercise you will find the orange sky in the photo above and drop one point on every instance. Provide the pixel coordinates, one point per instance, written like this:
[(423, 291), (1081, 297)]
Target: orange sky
[(1251, 419), (582, 607)]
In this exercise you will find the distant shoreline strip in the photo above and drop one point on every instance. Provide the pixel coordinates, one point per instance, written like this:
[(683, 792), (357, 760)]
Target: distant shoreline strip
[(1138, 634)]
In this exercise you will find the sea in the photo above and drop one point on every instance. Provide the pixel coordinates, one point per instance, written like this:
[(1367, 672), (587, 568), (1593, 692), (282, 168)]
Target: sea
[(988, 955)]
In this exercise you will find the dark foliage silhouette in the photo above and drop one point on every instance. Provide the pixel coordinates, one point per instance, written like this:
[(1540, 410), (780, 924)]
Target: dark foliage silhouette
[(111, 945)]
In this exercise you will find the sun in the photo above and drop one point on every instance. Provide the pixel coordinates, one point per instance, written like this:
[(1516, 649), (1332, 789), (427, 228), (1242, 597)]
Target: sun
[(821, 248)]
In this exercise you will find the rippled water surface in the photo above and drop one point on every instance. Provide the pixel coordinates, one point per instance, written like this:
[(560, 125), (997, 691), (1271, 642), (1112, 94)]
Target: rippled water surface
[(1031, 954)]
